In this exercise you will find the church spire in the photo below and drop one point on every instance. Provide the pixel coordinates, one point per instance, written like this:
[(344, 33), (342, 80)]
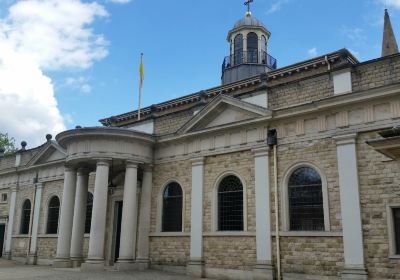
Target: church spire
[(389, 44)]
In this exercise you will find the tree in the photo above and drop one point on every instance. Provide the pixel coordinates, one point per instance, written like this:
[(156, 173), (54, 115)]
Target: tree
[(7, 144)]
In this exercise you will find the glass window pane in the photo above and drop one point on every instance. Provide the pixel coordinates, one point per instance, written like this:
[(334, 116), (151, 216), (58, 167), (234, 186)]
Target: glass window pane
[(230, 204), (53, 215), (396, 217), (172, 208), (89, 210), (25, 217), (306, 209)]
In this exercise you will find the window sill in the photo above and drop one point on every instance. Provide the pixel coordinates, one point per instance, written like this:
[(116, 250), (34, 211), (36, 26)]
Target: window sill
[(3, 202), (20, 236), (310, 233), (230, 233), (47, 235), (168, 234), (395, 257)]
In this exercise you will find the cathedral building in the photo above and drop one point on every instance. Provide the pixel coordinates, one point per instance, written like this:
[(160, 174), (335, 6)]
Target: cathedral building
[(278, 173)]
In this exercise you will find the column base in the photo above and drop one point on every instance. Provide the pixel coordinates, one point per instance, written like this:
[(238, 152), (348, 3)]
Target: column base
[(125, 265), (263, 270), (32, 259), (93, 265), (7, 255), (142, 264), (195, 268), (76, 261), (62, 263), (354, 273)]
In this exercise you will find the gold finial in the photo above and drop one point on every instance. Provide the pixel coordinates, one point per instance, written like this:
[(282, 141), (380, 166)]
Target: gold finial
[(247, 3)]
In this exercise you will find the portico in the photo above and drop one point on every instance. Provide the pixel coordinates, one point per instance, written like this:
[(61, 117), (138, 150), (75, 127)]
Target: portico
[(107, 152)]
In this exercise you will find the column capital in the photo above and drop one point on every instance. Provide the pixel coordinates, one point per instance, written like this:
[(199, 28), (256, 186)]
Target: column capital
[(132, 164), (345, 139), (197, 161), (14, 188), (83, 171), (260, 152), (148, 167), (69, 169), (39, 185), (103, 162)]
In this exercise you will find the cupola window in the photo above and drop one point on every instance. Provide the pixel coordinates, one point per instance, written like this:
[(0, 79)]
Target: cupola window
[(252, 48)]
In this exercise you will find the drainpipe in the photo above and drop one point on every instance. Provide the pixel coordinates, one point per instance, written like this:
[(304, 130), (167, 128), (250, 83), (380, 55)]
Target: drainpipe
[(272, 141), (328, 63)]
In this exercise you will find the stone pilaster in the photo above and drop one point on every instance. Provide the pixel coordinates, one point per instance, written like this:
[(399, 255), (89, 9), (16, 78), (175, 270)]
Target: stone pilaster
[(264, 268), (95, 259), (32, 258), (195, 267), (127, 247), (78, 226), (354, 266), (67, 213), (142, 259), (10, 224)]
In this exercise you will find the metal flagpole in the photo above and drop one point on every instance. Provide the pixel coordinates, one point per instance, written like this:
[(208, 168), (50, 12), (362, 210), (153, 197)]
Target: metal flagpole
[(140, 84)]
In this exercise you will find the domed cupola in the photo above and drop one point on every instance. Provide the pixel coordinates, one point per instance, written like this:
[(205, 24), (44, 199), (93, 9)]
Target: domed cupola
[(248, 50)]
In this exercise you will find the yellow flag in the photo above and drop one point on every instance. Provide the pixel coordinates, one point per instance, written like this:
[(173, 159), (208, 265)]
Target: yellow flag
[(141, 71)]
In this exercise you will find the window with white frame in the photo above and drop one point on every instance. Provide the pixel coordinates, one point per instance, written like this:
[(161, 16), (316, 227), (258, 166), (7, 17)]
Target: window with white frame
[(4, 197), (53, 215), (305, 200), (25, 217), (396, 225), (230, 204), (172, 204), (393, 212)]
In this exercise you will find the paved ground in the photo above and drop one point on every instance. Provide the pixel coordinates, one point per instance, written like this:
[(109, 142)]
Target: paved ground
[(10, 270)]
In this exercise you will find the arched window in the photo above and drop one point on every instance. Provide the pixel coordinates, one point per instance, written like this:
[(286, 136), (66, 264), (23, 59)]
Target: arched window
[(25, 217), (89, 209), (172, 208), (238, 51), (306, 206), (252, 48), (52, 215), (230, 204)]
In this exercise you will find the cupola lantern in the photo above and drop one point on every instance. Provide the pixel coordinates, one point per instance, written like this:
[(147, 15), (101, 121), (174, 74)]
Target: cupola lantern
[(248, 50)]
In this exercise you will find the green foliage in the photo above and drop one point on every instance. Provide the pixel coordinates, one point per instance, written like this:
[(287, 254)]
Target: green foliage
[(7, 143)]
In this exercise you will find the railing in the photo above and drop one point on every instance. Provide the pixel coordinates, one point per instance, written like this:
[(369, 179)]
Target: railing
[(250, 57)]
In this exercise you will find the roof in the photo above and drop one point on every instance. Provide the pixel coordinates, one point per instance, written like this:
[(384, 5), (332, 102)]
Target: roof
[(249, 21)]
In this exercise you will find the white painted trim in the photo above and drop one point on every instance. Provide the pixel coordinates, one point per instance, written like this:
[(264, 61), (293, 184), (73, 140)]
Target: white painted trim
[(214, 208), (169, 234), (160, 205), (391, 233), (285, 196), (310, 233), (229, 233)]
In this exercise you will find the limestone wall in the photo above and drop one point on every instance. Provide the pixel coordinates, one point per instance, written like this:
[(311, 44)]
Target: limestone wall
[(169, 250), (379, 186)]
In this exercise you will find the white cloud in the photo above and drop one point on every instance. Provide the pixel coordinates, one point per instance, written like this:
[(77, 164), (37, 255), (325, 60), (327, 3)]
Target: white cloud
[(39, 35), (80, 83), (356, 35), (391, 3), (275, 7), (312, 52), (120, 1)]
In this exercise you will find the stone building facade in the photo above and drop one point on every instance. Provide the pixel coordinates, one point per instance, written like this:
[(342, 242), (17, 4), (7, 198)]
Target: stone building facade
[(292, 173)]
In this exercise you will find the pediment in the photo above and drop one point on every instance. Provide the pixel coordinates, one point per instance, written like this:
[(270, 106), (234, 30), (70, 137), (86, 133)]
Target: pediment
[(223, 110), (50, 152)]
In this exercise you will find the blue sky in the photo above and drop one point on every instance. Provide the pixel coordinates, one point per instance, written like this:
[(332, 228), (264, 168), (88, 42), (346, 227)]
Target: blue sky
[(184, 43)]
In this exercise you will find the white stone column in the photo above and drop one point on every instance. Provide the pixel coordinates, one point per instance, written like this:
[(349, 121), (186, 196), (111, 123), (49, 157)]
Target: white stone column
[(263, 268), (98, 225), (10, 224), (127, 247), (65, 225), (32, 258), (195, 267), (142, 259), (78, 225), (354, 267)]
